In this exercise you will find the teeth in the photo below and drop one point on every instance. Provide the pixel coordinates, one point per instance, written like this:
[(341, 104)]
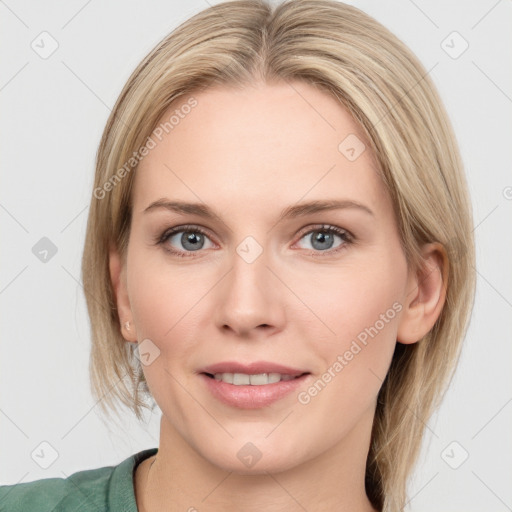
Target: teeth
[(260, 379), (240, 379)]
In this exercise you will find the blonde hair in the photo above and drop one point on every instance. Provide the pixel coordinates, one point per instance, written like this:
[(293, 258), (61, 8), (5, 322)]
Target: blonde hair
[(376, 77)]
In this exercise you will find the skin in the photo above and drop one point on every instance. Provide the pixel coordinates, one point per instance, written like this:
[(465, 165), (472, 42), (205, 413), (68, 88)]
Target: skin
[(248, 154)]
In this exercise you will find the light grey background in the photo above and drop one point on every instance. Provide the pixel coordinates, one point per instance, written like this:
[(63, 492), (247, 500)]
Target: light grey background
[(53, 112)]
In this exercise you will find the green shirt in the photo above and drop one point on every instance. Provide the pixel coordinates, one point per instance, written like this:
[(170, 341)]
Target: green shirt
[(106, 489)]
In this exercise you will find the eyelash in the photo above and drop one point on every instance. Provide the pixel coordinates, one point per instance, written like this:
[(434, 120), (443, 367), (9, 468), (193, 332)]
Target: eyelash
[(345, 235)]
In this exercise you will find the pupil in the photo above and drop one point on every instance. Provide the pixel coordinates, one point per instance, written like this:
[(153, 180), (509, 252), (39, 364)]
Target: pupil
[(322, 238), (194, 239)]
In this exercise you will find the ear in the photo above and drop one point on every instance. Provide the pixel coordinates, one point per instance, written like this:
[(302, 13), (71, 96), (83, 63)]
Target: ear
[(118, 278), (426, 295)]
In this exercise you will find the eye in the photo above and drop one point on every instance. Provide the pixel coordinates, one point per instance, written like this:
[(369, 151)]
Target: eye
[(325, 238), (188, 239), (183, 241)]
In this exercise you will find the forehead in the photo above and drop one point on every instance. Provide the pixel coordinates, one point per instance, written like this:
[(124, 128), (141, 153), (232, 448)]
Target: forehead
[(238, 147)]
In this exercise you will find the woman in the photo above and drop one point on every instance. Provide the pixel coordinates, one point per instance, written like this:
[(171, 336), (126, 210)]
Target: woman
[(279, 252)]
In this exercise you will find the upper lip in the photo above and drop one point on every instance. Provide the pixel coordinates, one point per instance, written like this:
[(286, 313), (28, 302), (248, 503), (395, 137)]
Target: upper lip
[(254, 368)]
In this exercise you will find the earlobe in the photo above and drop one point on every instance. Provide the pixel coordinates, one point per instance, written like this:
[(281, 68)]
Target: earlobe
[(426, 295), (118, 279)]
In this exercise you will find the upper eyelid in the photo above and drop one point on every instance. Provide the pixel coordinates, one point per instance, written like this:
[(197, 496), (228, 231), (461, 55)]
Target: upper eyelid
[(323, 227), (178, 229)]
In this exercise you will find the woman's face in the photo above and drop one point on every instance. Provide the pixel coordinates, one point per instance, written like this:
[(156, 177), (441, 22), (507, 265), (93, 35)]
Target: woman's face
[(275, 276)]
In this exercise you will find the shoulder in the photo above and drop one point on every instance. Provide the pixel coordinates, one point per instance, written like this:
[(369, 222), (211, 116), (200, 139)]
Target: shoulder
[(92, 489), (50, 494)]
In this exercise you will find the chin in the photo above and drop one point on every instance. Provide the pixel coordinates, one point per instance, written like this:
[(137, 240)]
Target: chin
[(254, 458)]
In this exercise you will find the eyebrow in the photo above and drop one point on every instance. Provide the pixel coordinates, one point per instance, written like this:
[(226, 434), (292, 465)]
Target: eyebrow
[(291, 212)]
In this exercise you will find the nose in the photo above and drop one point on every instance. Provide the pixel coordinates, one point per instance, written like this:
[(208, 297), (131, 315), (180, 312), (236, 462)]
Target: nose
[(250, 301)]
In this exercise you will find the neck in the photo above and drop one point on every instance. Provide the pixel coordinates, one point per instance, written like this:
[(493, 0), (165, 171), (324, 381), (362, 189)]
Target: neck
[(177, 478)]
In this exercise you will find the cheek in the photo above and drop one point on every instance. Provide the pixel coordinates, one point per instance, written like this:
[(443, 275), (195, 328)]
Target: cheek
[(350, 298), (162, 295), (165, 307), (359, 308), (345, 389)]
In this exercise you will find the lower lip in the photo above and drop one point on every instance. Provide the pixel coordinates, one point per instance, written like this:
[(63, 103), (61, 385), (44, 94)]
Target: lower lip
[(252, 397)]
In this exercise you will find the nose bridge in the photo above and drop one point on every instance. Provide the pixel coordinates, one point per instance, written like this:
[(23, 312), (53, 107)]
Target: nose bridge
[(250, 295)]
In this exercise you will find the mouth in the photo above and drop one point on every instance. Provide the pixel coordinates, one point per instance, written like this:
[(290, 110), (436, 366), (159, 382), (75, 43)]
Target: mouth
[(254, 388), (256, 379)]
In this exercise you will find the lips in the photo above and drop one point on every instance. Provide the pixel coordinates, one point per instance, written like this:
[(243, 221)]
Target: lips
[(254, 368), (253, 397), (231, 382)]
